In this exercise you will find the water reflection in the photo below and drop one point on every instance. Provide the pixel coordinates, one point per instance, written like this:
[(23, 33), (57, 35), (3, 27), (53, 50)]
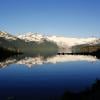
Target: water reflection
[(49, 76), (38, 60)]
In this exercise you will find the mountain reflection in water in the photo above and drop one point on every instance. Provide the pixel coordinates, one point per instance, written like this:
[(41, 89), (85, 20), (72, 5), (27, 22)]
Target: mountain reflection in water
[(38, 60), (46, 77)]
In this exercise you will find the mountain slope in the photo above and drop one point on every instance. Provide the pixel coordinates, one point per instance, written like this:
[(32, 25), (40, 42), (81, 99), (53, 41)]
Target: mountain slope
[(91, 47), (13, 43), (60, 41), (32, 37), (64, 44), (37, 43)]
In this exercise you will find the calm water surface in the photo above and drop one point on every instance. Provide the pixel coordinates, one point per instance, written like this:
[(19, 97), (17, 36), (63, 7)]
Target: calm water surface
[(49, 77)]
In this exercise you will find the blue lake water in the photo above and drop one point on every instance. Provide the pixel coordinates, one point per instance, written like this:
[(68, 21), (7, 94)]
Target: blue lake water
[(49, 78)]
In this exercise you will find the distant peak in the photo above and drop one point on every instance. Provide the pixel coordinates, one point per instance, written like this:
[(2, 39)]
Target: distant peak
[(3, 33), (7, 35)]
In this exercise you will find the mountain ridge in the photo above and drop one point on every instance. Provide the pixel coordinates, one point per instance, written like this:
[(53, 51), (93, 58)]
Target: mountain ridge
[(34, 40), (59, 40), (20, 45)]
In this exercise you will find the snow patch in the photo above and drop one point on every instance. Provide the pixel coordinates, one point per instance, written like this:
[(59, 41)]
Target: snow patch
[(60, 41), (7, 36)]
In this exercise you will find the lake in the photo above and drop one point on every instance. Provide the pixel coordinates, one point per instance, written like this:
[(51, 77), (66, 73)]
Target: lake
[(46, 78)]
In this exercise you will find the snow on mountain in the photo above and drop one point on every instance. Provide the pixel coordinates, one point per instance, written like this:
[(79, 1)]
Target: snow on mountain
[(32, 37), (95, 42), (67, 41), (60, 41), (7, 36)]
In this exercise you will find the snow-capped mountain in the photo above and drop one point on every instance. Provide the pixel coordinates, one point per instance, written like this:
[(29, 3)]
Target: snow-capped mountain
[(26, 44), (7, 36), (95, 42), (34, 43), (32, 37), (68, 41), (60, 41)]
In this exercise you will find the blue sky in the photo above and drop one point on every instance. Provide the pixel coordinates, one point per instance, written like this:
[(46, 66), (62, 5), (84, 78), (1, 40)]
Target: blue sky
[(74, 18)]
